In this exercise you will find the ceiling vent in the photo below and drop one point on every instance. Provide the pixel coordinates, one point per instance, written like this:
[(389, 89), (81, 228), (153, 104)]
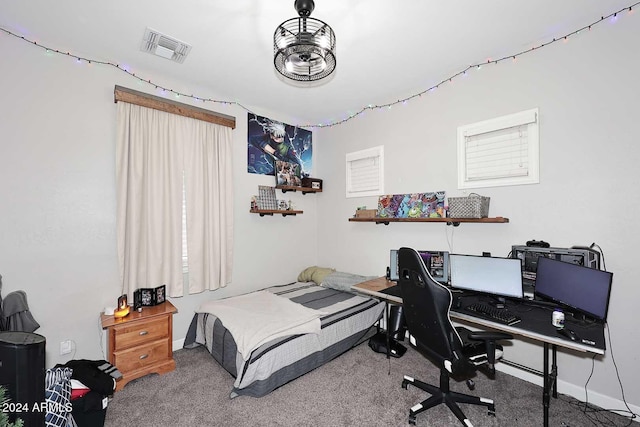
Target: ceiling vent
[(164, 46)]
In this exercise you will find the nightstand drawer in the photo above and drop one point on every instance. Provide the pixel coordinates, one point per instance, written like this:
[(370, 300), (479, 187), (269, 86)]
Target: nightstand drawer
[(133, 334), (142, 356)]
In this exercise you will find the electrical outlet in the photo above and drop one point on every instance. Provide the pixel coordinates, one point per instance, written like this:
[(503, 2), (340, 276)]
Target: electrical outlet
[(65, 347)]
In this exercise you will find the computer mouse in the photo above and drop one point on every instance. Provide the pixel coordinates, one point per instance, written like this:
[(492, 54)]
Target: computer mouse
[(569, 334)]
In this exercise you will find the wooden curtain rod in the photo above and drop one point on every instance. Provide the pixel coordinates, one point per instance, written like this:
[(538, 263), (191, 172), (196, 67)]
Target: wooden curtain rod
[(157, 103)]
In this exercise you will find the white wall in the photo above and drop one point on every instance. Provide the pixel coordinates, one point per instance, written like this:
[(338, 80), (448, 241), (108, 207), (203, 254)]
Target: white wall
[(57, 209), (587, 91), (57, 218)]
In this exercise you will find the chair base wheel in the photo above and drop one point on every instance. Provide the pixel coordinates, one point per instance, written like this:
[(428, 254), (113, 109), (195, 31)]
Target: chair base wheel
[(404, 384), (491, 410), (412, 420)]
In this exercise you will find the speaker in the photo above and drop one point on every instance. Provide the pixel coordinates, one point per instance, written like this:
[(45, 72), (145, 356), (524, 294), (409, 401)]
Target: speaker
[(22, 372)]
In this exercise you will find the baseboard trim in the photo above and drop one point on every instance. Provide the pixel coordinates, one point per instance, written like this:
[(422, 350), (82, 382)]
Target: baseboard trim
[(572, 390), (178, 344)]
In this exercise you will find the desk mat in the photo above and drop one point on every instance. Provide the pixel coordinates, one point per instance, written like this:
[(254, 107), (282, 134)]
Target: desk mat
[(393, 291)]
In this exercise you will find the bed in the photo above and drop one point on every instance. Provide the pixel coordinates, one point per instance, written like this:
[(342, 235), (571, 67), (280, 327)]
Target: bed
[(344, 319)]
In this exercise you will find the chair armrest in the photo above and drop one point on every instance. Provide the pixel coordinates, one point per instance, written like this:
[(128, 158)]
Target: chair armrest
[(489, 336), (490, 339)]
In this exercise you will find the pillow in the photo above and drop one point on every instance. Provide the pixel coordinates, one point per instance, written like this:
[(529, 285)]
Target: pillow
[(343, 281), (314, 274)]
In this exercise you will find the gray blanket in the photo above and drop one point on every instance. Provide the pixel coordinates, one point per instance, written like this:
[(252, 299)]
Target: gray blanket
[(15, 314)]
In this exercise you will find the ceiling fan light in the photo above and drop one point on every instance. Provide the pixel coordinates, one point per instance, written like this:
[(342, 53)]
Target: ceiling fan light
[(289, 66), (304, 48)]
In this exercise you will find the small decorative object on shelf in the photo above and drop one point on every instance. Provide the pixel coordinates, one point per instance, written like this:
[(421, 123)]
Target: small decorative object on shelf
[(267, 197), (363, 212), (313, 183), (472, 206), (288, 174)]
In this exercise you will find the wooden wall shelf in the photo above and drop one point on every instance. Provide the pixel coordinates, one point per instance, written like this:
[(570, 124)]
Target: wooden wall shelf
[(304, 190), (263, 212), (449, 221)]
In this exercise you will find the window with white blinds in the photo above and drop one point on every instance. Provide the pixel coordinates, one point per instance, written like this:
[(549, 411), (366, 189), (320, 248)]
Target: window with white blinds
[(365, 172), (501, 151)]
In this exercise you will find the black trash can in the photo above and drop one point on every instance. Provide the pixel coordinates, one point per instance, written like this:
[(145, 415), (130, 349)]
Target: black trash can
[(22, 357)]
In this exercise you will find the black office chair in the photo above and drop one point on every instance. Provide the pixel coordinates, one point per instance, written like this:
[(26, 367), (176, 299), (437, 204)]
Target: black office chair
[(457, 351)]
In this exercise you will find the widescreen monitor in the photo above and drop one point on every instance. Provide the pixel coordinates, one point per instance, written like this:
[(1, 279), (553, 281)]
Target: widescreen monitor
[(584, 289), (491, 275)]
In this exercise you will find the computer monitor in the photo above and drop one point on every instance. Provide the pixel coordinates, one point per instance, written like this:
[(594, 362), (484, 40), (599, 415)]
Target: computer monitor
[(437, 262), (491, 275), (584, 289)]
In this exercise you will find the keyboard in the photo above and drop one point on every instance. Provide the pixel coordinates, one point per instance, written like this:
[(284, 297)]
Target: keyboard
[(500, 315)]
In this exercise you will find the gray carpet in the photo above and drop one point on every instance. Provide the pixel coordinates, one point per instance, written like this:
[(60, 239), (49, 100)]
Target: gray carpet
[(359, 388)]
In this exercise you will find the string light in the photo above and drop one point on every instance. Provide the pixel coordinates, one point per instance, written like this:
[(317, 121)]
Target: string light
[(164, 90)]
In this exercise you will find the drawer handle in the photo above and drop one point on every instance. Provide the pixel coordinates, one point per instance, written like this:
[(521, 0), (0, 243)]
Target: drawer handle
[(143, 332), (144, 356)]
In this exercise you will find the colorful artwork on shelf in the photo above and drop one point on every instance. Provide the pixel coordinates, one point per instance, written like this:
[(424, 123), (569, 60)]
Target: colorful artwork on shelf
[(414, 205)]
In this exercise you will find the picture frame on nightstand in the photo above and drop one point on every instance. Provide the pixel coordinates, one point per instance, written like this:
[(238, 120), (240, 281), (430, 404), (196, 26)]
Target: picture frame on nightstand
[(143, 297), (160, 294), (148, 297)]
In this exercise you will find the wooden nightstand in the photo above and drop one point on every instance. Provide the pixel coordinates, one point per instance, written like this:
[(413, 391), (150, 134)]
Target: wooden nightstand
[(141, 343)]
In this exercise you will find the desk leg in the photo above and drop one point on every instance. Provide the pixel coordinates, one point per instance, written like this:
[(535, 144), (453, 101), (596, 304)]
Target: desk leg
[(554, 370), (545, 386), (550, 383), (387, 312)]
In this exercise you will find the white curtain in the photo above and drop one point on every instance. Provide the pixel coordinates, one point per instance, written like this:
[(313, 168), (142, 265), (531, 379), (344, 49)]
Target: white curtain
[(209, 203), (154, 151)]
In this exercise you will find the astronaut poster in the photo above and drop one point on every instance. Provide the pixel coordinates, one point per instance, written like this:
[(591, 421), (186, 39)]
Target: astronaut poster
[(271, 140)]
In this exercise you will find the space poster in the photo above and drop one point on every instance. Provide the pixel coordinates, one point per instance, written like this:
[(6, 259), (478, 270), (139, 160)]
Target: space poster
[(270, 140)]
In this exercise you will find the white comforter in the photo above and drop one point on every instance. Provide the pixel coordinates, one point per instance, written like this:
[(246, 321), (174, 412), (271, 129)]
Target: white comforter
[(259, 317)]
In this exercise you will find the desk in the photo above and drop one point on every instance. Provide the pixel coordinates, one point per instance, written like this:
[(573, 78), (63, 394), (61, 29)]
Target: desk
[(535, 325)]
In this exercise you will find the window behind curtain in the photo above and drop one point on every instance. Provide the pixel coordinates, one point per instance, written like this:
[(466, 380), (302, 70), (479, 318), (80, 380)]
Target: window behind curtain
[(163, 161)]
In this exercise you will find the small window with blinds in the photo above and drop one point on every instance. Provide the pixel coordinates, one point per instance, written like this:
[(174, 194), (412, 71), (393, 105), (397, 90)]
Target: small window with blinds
[(365, 172), (498, 152)]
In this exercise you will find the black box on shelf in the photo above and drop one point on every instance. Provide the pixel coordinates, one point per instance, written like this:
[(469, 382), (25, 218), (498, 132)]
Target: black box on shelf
[(313, 183)]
